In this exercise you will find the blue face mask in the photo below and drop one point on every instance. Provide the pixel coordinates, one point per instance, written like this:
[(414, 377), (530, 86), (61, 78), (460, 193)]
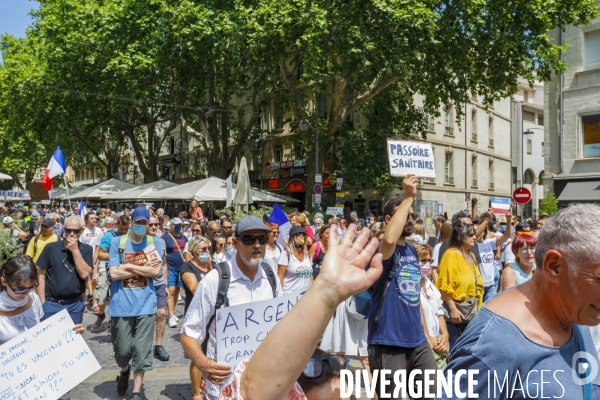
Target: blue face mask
[(139, 229), (177, 228), (203, 257), (230, 250)]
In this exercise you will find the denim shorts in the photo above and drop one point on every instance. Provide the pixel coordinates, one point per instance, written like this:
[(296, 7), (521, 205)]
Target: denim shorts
[(161, 296), (174, 279)]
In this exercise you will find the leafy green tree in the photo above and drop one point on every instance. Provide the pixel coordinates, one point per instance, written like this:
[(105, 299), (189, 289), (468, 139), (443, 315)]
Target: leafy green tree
[(549, 204)]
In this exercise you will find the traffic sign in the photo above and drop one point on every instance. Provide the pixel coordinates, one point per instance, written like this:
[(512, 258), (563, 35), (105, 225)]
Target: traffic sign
[(318, 188), (317, 198), (318, 178), (522, 195)]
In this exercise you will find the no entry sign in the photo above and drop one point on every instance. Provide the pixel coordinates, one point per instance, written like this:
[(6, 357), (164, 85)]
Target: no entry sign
[(522, 195)]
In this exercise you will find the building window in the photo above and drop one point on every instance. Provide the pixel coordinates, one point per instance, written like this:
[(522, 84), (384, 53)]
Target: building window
[(449, 169), (543, 154), (491, 174), (430, 123), (322, 105), (279, 153), (474, 170), (529, 177), (448, 121), (591, 52), (591, 135), (491, 132), (279, 115), (529, 116), (540, 121), (529, 145)]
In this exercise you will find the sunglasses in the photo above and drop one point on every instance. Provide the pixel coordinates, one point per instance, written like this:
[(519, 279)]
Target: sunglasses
[(153, 225), (69, 231), (227, 227), (315, 366), (426, 260), (204, 249), (248, 240), (275, 233), (23, 291)]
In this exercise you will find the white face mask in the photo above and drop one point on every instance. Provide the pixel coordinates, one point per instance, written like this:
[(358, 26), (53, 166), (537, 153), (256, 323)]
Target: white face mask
[(425, 268)]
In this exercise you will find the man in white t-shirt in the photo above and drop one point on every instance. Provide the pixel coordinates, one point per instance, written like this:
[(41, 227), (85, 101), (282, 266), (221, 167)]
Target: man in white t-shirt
[(487, 251), (92, 235), (248, 283)]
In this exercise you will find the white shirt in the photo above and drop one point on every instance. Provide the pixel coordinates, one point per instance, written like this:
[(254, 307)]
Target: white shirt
[(436, 255), (507, 256), (418, 238), (241, 290), (272, 258), (11, 327), (297, 275), (221, 257), (92, 237), (487, 267), (432, 307)]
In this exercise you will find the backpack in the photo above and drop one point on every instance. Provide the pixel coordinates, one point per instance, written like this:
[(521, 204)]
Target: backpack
[(222, 301), (37, 237), (358, 306), (123, 243)]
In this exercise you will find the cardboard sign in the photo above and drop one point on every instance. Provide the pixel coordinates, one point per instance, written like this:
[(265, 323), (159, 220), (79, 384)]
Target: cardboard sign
[(46, 361), (334, 211), (241, 329), (410, 158)]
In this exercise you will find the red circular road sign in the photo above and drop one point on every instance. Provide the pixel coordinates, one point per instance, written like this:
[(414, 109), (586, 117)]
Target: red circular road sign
[(318, 188), (522, 195)]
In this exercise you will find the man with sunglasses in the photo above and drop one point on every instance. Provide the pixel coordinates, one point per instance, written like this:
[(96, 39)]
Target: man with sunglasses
[(248, 283), (64, 267), (162, 294), (396, 339)]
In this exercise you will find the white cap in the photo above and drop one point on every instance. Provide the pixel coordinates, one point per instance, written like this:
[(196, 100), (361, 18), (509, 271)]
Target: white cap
[(7, 220)]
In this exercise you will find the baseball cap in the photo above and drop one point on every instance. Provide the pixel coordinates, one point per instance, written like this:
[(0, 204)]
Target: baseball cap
[(296, 230), (109, 220), (176, 221), (250, 223), (521, 226), (140, 213), (266, 216), (7, 220), (47, 222), (35, 214)]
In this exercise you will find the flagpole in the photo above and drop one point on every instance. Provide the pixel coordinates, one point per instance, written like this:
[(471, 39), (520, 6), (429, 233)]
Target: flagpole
[(67, 187)]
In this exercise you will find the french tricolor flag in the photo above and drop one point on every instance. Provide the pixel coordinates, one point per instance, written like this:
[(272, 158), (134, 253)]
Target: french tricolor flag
[(500, 205), (56, 166), (278, 217)]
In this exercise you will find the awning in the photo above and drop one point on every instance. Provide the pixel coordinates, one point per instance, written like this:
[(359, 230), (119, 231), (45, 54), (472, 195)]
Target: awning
[(581, 191)]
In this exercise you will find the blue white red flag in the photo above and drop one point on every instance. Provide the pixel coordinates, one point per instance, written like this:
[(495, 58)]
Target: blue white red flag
[(278, 217), (500, 205), (56, 166)]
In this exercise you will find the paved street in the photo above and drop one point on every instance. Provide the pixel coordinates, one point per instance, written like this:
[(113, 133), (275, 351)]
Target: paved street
[(168, 380)]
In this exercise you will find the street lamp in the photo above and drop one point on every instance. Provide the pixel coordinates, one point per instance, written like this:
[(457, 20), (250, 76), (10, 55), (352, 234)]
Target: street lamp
[(304, 127)]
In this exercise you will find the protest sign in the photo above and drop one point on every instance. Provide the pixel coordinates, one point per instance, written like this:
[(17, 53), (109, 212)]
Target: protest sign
[(11, 194), (410, 158), (335, 211), (500, 205), (241, 329), (45, 361)]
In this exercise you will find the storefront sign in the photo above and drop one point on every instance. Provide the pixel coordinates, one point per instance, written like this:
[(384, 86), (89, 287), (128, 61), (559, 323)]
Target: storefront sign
[(299, 163), (286, 164), (296, 187), (275, 165), (299, 171)]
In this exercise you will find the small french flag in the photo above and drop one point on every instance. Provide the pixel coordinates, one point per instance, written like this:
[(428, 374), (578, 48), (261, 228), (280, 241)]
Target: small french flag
[(278, 217), (56, 166), (500, 205)]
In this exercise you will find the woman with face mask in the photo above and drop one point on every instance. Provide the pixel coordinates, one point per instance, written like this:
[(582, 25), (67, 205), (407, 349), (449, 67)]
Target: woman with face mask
[(192, 272), (434, 325), (230, 249), (294, 265)]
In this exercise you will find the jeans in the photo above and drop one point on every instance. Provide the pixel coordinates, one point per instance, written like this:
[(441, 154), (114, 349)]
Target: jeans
[(75, 310)]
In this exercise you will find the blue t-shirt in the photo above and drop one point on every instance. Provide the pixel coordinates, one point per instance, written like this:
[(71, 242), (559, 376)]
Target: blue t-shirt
[(134, 296), (174, 257), (399, 323), (493, 344)]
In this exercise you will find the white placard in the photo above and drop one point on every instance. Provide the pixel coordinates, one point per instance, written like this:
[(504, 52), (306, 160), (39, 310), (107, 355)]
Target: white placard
[(338, 183), (317, 198), (318, 178), (241, 329), (410, 158), (335, 211), (45, 361)]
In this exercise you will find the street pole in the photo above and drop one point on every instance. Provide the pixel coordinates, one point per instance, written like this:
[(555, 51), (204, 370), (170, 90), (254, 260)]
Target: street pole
[(318, 207)]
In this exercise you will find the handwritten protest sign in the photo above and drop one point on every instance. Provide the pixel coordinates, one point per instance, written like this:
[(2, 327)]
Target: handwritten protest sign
[(241, 329), (334, 211), (410, 158), (46, 361)]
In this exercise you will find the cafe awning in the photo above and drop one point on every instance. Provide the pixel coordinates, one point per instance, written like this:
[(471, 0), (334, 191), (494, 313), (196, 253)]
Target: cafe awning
[(581, 191)]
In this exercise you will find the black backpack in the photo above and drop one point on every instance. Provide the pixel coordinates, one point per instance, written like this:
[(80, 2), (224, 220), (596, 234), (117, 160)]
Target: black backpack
[(222, 300)]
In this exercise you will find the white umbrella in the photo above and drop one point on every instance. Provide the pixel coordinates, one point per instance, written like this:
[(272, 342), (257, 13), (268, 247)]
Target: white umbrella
[(209, 189), (243, 192), (145, 191), (4, 177), (111, 186)]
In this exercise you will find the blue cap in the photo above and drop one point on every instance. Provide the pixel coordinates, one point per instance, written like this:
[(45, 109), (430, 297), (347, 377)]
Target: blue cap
[(35, 214), (140, 213), (250, 223)]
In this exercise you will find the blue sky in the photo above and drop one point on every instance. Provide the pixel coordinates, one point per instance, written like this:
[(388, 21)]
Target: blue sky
[(13, 16)]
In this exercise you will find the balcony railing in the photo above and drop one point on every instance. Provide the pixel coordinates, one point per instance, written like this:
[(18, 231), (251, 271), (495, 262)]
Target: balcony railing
[(449, 131), (491, 143), (474, 137), (474, 183), (491, 185), (430, 126), (450, 180)]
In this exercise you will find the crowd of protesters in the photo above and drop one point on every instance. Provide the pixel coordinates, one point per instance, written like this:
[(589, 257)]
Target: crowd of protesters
[(433, 298)]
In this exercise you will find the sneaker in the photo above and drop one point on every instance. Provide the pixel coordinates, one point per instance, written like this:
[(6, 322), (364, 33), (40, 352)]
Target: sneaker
[(136, 396), (123, 382), (108, 328), (98, 324), (160, 353), (173, 321)]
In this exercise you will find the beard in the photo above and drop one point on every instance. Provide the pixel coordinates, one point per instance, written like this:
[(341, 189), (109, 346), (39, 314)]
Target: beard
[(406, 232), (253, 261)]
